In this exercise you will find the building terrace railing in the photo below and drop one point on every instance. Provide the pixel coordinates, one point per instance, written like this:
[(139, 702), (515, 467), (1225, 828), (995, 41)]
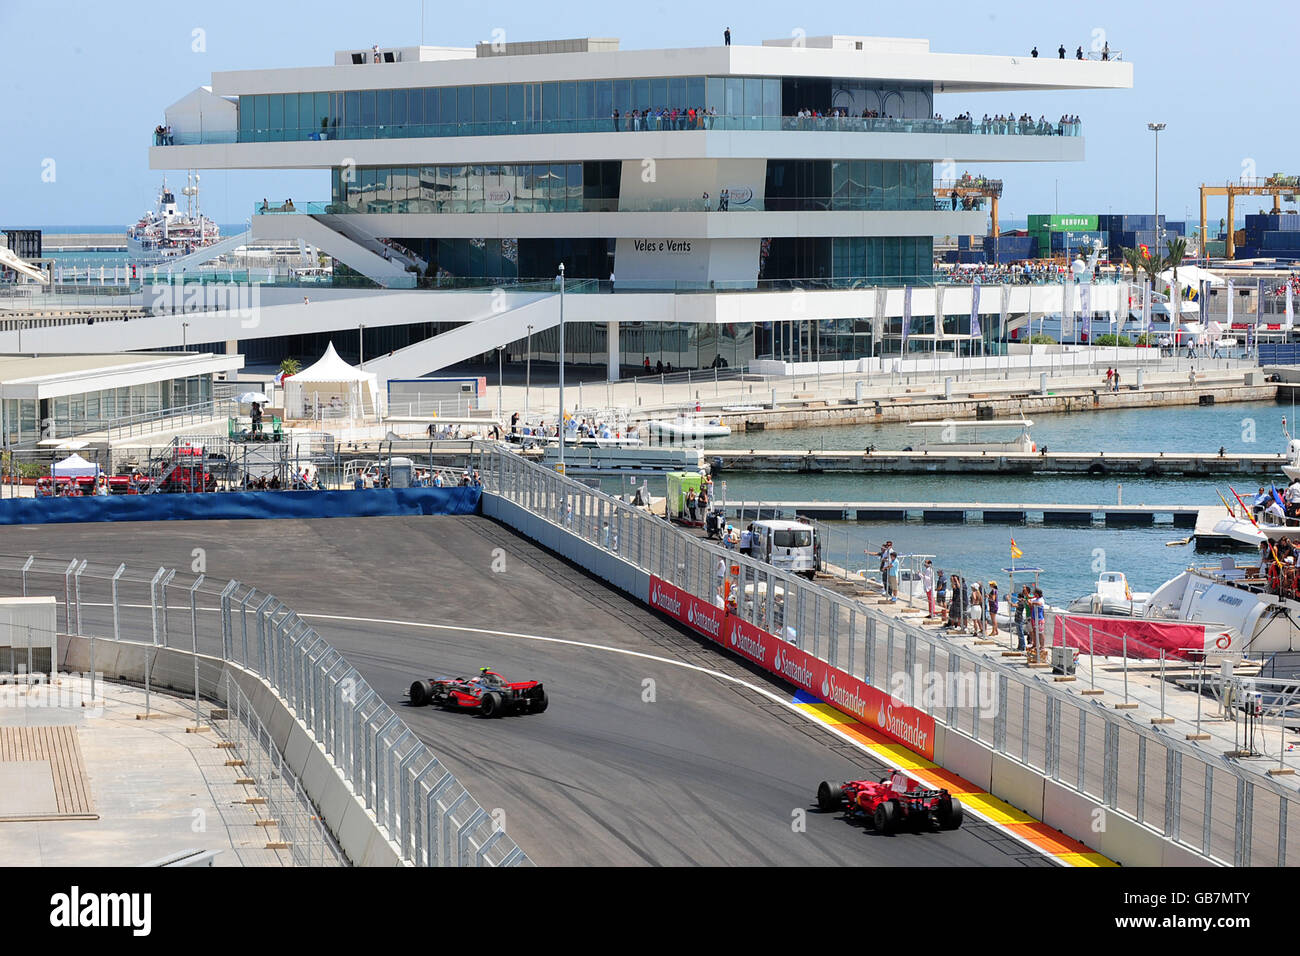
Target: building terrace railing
[(541, 204), (626, 123)]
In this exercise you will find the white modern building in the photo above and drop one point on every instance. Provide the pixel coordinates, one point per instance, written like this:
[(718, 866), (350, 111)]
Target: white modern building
[(710, 204)]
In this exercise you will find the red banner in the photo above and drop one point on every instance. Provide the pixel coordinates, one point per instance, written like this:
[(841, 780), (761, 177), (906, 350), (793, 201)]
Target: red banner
[(847, 694), (1145, 638)]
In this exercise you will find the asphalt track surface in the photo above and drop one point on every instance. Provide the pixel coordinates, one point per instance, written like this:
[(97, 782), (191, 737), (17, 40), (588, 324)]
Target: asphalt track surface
[(710, 772)]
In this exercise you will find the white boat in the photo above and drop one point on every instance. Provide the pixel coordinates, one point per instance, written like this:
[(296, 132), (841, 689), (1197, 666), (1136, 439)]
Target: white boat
[(166, 233), (1112, 596), (684, 427), (1245, 618), (972, 435)]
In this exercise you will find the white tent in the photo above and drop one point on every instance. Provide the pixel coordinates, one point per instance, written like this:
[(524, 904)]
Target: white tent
[(1191, 277), (74, 466), (332, 386)]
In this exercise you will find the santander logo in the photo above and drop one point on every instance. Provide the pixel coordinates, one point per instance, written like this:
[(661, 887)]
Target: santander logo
[(659, 599), (912, 734), (742, 642)]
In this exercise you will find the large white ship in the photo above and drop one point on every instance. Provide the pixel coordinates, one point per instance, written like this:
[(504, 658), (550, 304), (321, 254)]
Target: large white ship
[(166, 232)]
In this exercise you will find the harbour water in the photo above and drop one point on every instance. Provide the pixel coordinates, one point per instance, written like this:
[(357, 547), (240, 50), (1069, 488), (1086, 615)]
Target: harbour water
[(1071, 557)]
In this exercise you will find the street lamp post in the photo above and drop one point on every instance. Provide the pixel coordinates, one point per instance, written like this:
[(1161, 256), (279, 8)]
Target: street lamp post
[(361, 346), (1156, 128), (500, 349), (528, 374), (561, 417), (185, 332)]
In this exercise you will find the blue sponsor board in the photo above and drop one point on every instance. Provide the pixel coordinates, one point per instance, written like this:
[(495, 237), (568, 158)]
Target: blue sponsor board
[(241, 505)]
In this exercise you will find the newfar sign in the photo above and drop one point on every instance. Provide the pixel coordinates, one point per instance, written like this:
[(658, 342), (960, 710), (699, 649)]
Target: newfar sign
[(847, 694)]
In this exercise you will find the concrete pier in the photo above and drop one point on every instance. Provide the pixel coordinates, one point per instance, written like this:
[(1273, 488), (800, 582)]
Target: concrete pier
[(933, 512), (725, 461)]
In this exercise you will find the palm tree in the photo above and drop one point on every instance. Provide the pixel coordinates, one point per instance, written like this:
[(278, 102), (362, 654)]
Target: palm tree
[(1134, 260), (290, 366)]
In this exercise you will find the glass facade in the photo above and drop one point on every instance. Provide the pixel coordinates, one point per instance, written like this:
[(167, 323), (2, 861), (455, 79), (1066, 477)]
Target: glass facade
[(489, 187), (730, 102), (94, 411), (867, 184), (847, 262)]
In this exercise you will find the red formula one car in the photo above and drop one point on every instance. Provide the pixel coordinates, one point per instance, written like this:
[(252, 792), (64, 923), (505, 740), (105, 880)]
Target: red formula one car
[(893, 803), (488, 694)]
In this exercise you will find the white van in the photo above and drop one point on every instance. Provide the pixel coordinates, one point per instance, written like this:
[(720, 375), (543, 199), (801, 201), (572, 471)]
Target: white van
[(786, 545)]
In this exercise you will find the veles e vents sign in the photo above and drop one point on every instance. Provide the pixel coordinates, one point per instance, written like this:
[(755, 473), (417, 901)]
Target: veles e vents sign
[(679, 247)]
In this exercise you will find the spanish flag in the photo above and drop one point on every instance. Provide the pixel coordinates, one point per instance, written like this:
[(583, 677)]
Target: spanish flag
[(1016, 552)]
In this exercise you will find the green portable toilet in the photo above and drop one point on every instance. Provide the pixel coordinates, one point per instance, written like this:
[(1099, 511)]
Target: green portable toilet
[(679, 483)]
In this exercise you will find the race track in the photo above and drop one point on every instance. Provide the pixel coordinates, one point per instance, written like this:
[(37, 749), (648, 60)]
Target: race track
[(710, 772)]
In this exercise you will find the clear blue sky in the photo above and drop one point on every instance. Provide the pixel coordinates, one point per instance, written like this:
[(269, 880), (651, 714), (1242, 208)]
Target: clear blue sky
[(84, 83)]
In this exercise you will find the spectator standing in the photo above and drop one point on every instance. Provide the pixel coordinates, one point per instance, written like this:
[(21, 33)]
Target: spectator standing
[(726, 37), (941, 590), (927, 582), (1060, 54), (993, 607), (1022, 609), (1034, 53), (885, 553)]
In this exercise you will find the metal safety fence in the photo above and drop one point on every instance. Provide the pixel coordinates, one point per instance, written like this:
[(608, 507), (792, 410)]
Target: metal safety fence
[(168, 615), (1198, 799)]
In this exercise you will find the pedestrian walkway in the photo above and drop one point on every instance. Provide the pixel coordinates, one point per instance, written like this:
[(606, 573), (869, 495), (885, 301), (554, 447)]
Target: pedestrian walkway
[(150, 789)]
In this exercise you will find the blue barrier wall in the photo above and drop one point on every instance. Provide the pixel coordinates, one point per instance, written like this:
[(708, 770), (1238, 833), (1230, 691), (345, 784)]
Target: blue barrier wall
[(1274, 353), (378, 502)]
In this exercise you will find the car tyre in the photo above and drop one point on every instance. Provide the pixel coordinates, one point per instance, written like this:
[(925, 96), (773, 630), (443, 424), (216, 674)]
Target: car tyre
[(540, 703), (491, 705), (829, 796), (885, 819), (951, 814), (421, 693)]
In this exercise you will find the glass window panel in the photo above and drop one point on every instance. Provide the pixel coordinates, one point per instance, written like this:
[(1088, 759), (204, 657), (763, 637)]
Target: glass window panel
[(640, 94), (275, 121), (753, 96), (430, 116), (586, 106), (499, 109), (772, 97), (695, 94), (875, 184), (516, 112), (291, 115), (464, 109), (573, 202), (735, 96), (447, 115), (474, 189), (677, 92), (623, 96), (384, 108), (482, 108), (716, 90), (260, 105), (368, 113), (568, 105), (246, 110), (604, 98), (550, 103)]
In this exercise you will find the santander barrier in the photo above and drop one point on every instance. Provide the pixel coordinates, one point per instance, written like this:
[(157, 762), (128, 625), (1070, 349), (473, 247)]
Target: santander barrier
[(370, 503), (1133, 792), (385, 796)]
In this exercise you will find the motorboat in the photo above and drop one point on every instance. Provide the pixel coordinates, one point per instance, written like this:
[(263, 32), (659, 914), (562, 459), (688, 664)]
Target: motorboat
[(978, 436), (1112, 596), (686, 427)]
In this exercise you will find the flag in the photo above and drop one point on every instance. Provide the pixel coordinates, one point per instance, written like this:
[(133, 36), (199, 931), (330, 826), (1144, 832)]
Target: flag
[(1290, 309), (938, 312), (878, 317), (1230, 304), (907, 314), (1128, 595), (1015, 551), (1276, 497), (1085, 296), (1001, 331), (1146, 307), (1067, 307), (975, 329)]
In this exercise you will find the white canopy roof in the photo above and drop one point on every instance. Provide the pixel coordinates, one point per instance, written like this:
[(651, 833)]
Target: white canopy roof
[(1191, 276), (331, 368), (74, 466)]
